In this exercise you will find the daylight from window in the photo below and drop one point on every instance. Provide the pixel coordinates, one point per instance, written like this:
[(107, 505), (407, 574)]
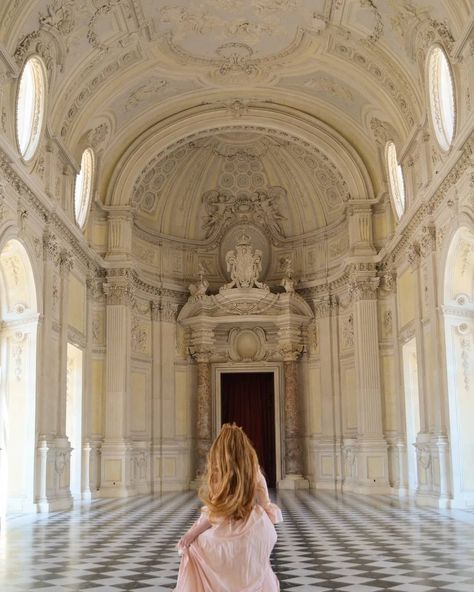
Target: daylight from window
[(30, 107), (395, 178), (441, 97), (83, 189)]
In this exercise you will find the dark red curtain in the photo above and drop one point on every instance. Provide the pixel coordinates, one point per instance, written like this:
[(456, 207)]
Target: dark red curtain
[(248, 399)]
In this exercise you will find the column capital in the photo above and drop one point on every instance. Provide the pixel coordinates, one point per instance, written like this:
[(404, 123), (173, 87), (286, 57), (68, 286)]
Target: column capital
[(155, 306), (202, 355), (413, 254), (427, 242), (51, 251), (388, 279), (290, 351), (66, 262), (363, 288), (95, 286), (118, 287), (169, 311), (323, 307)]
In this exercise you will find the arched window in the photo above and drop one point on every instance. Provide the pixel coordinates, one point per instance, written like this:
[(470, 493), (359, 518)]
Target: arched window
[(395, 179), (83, 188), (30, 106), (441, 89)]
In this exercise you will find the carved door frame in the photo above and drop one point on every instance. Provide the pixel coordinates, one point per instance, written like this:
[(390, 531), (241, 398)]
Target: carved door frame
[(275, 368)]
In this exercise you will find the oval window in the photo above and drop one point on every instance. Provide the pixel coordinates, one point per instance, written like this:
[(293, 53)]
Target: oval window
[(395, 179), (30, 106), (441, 91), (83, 187)]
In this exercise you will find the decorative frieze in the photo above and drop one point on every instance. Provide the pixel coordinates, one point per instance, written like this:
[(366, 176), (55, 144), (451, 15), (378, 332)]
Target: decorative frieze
[(293, 451)]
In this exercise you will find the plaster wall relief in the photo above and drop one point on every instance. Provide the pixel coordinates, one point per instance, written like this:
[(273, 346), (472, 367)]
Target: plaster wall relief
[(141, 335)]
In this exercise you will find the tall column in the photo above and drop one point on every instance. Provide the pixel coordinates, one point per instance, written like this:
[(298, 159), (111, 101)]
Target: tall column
[(371, 454), (63, 446), (291, 346), (116, 450), (53, 450), (48, 416), (424, 463), (328, 447), (293, 450), (201, 347), (65, 266), (434, 360), (157, 408), (171, 461), (204, 410), (393, 378)]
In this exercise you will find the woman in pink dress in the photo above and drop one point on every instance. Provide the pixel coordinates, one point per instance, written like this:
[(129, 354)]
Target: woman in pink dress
[(228, 548)]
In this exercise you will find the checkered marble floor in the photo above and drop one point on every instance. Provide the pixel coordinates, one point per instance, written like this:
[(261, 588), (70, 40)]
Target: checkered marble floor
[(347, 543)]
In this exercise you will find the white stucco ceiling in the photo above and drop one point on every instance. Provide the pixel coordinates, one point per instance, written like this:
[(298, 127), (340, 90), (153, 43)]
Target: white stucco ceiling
[(119, 68)]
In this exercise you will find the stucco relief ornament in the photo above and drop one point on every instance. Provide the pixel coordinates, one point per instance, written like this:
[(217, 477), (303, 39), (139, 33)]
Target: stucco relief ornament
[(244, 266), (288, 281), (199, 290)]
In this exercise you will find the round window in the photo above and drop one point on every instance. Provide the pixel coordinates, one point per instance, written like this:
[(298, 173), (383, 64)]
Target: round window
[(30, 106), (83, 188), (395, 179), (441, 91)]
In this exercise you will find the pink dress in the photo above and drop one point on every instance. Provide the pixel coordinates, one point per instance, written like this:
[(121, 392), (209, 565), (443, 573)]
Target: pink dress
[(233, 556)]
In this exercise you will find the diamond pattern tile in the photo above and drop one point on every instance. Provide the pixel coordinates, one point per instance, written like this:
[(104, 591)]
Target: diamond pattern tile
[(327, 543)]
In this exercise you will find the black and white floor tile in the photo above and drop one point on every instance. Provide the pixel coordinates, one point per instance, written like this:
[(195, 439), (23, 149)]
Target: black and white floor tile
[(348, 543)]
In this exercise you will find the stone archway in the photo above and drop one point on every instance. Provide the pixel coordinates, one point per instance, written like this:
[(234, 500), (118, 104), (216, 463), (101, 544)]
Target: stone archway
[(18, 343), (459, 342)]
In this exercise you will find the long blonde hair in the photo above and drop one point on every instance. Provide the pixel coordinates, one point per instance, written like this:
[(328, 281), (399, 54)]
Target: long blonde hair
[(230, 481)]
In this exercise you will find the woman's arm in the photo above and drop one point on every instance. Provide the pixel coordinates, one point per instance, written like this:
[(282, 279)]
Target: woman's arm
[(272, 510), (196, 529)]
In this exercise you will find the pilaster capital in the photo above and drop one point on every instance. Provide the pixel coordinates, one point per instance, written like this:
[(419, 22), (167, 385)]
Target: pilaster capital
[(95, 286), (323, 307), (66, 262), (427, 240), (118, 294), (363, 288), (169, 311), (51, 250), (413, 254), (155, 310), (118, 287), (387, 278)]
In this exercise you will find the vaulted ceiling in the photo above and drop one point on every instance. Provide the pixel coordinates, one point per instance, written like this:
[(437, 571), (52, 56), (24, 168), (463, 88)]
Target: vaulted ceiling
[(140, 80)]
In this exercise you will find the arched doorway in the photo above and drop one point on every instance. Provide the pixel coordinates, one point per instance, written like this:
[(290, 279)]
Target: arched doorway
[(18, 336), (459, 337)]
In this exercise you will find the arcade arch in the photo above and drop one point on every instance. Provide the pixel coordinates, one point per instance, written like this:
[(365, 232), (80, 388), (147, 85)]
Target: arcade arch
[(18, 343), (459, 338)]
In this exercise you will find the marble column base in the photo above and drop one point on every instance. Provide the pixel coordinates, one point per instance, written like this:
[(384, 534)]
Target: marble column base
[(433, 500), (293, 482), (371, 467), (116, 460)]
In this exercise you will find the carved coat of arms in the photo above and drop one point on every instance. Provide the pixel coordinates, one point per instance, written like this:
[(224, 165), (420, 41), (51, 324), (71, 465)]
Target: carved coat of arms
[(244, 266)]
